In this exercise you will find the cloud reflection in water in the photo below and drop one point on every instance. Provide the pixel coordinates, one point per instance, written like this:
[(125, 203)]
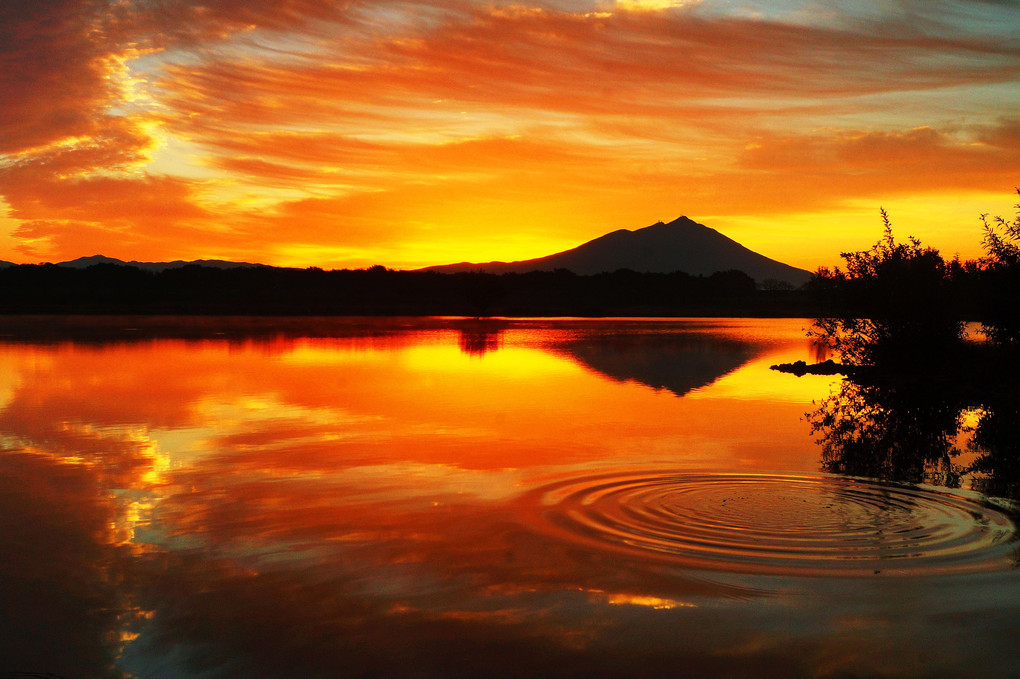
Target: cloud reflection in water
[(359, 506)]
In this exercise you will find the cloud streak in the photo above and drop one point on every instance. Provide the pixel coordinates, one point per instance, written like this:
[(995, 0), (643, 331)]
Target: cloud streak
[(195, 128)]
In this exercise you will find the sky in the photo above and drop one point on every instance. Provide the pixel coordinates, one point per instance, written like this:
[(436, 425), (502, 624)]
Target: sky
[(348, 133)]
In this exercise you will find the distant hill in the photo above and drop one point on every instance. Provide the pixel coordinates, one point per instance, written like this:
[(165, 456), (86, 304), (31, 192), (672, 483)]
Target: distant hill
[(85, 262), (681, 245), (4, 263)]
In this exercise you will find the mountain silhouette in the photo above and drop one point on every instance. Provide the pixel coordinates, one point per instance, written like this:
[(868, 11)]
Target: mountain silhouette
[(681, 245), (85, 262)]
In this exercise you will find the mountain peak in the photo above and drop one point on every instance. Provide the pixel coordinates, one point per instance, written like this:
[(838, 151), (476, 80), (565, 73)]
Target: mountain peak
[(678, 223), (680, 245)]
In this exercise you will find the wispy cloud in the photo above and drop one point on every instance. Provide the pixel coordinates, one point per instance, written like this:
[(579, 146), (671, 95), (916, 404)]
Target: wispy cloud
[(165, 129)]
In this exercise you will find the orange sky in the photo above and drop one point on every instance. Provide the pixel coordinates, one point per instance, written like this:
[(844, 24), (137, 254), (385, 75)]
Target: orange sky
[(346, 133)]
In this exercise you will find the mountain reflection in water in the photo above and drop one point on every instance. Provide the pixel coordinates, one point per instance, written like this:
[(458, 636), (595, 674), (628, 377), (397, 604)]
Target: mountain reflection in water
[(677, 362), (660, 357), (467, 498)]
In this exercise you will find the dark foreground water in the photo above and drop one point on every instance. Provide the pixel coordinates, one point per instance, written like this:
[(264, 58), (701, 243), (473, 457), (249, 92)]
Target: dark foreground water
[(455, 498)]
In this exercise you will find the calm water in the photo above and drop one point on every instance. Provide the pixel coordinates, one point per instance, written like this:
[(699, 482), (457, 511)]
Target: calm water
[(457, 498)]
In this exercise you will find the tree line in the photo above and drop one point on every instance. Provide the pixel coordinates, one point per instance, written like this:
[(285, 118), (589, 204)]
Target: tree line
[(196, 289)]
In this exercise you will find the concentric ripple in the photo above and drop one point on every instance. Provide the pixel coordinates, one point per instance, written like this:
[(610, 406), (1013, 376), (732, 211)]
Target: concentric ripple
[(778, 523)]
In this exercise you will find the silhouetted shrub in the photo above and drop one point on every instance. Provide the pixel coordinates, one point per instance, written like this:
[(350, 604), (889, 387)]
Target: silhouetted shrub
[(895, 303), (1000, 289)]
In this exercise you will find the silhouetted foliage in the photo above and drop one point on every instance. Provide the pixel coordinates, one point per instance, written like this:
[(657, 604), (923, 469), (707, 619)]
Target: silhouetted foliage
[(1001, 279), (895, 304), (913, 384)]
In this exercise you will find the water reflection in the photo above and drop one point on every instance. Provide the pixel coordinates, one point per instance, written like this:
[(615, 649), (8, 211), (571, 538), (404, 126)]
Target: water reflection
[(923, 429), (677, 362), (63, 602), (386, 499), (996, 440), (902, 432), (479, 336)]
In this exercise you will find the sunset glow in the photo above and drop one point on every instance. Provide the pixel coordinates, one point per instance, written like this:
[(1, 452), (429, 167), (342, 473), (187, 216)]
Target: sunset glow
[(448, 497), (410, 133)]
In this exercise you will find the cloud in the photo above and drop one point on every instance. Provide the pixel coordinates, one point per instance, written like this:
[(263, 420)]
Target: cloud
[(165, 24), (300, 124), (63, 217), (617, 64), (875, 163), (54, 69)]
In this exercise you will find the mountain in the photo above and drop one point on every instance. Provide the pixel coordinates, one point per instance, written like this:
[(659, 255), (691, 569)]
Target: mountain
[(4, 264), (681, 245), (85, 262)]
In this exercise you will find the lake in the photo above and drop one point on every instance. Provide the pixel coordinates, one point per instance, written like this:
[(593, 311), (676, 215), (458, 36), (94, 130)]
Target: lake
[(435, 497)]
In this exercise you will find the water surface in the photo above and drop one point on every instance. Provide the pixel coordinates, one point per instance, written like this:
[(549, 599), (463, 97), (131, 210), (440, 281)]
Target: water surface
[(449, 497)]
